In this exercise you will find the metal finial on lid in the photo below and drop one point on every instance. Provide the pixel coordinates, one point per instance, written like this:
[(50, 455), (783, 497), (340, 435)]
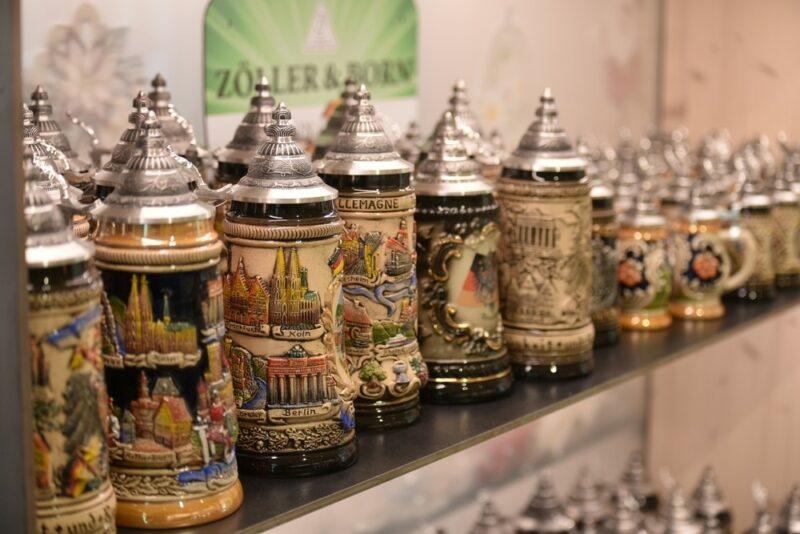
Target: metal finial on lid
[(176, 129), (763, 523), (491, 521), (545, 146), (790, 513), (635, 479), (110, 175), (448, 170), (250, 133), (676, 518), (337, 117), (281, 172), (625, 518), (409, 145), (586, 503), (707, 498), (362, 146), (545, 513), (153, 189)]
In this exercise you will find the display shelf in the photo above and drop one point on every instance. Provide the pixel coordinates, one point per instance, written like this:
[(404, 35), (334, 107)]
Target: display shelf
[(446, 430)]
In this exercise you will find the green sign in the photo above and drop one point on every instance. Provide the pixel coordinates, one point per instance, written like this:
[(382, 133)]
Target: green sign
[(307, 48)]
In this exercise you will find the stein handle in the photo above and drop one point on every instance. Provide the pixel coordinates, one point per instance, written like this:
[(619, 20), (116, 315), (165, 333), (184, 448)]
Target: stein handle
[(744, 237)]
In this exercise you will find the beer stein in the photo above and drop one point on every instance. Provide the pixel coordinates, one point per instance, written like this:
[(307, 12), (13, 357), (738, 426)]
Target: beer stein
[(604, 309), (376, 201), (233, 160), (336, 118), (70, 405), (702, 267), (546, 261), (460, 332), (644, 271), (78, 172), (173, 459), (545, 513), (284, 313)]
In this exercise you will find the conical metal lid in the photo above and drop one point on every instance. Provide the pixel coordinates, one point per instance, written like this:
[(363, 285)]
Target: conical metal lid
[(41, 151), (545, 513), (635, 479), (362, 146), (790, 513), (50, 241), (702, 202), (491, 521), (626, 517), (177, 130), (337, 118), (586, 504), (250, 133), (753, 191), (676, 517), (281, 172), (763, 523), (545, 147), (466, 122), (153, 190), (410, 144), (448, 169), (707, 497), (645, 211), (111, 173), (51, 133)]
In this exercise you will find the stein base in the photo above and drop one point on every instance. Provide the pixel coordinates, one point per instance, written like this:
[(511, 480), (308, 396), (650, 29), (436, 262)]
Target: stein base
[(448, 389), (381, 415), (180, 513), (554, 371), (753, 293), (92, 516), (787, 280), (697, 311), (605, 337), (645, 321), (300, 463)]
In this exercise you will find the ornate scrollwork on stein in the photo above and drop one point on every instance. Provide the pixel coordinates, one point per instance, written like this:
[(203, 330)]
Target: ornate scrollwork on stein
[(70, 403), (376, 201), (173, 455), (546, 263), (461, 332), (284, 312)]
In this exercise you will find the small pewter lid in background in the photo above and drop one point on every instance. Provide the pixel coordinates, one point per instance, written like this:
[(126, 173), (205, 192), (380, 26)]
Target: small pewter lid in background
[(491, 521), (153, 189), (625, 517), (410, 144), (545, 147), (281, 172), (347, 99), (702, 202), (40, 150), (763, 523), (675, 517), (789, 522), (362, 146), (176, 129), (753, 193), (587, 503), (708, 503), (250, 133), (544, 514), (645, 212), (448, 169), (110, 175), (635, 479)]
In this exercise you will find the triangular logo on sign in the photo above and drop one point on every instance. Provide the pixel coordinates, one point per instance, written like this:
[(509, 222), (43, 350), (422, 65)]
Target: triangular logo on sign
[(320, 35)]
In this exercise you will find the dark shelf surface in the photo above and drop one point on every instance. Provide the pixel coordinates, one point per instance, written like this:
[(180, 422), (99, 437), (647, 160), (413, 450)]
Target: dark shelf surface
[(445, 430)]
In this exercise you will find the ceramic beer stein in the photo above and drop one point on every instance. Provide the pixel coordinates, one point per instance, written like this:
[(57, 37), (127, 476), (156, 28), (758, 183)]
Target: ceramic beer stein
[(284, 313), (110, 175), (376, 201), (604, 309), (78, 173), (786, 232), (70, 404), (173, 458), (232, 161), (460, 329), (644, 271), (702, 269), (336, 118), (546, 260)]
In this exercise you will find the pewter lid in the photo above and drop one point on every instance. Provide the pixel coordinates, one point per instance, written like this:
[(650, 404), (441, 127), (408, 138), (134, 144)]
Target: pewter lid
[(763, 523), (409, 145), (544, 513), (448, 169), (707, 497), (281, 172), (753, 192), (626, 517), (111, 173), (250, 133), (327, 136), (50, 241), (645, 211), (362, 146), (545, 147), (466, 124), (702, 198), (676, 518), (586, 503), (40, 150), (635, 479), (790, 513), (176, 129), (491, 521), (153, 188)]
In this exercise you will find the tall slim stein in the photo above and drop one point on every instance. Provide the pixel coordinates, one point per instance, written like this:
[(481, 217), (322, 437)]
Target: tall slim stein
[(173, 458), (546, 263)]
